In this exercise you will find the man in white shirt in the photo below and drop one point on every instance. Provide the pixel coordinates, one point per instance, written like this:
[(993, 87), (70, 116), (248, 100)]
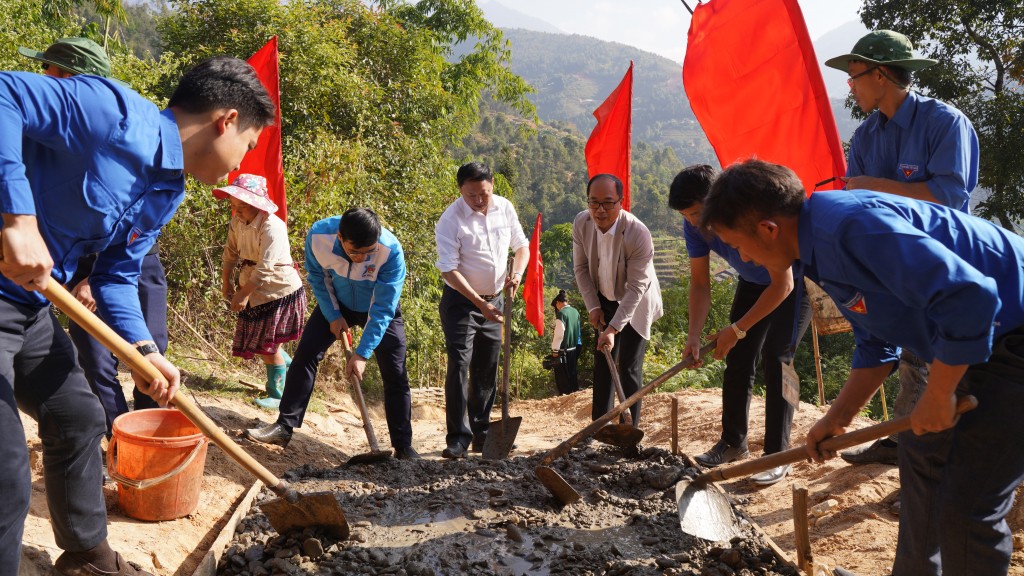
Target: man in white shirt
[(473, 238)]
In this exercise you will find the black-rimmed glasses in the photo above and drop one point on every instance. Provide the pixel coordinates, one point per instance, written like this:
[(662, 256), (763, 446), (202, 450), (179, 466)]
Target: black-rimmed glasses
[(594, 204), (849, 81)]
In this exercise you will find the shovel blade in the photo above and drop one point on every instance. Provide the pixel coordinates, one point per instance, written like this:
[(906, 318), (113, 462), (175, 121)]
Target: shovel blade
[(369, 457), (320, 509), (620, 435), (557, 485), (501, 435), (705, 512)]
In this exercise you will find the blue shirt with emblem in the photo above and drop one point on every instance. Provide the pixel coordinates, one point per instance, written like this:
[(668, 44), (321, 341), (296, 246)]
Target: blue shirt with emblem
[(942, 283), (373, 286), (926, 140), (699, 244), (101, 169)]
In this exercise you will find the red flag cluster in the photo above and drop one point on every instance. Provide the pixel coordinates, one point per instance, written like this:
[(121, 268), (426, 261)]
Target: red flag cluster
[(608, 148), (533, 285)]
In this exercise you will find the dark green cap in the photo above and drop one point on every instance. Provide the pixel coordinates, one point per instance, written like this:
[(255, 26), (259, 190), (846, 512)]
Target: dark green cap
[(77, 55), (883, 48)]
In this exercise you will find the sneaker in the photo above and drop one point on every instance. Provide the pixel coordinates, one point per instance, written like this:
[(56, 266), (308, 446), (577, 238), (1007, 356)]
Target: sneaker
[(69, 564), (721, 453), (277, 434), (879, 452), (769, 477), (407, 453), (454, 451)]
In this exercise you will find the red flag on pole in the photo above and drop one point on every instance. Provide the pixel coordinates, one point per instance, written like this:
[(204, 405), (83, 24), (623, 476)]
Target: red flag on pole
[(754, 84), (267, 159), (608, 148), (533, 284)]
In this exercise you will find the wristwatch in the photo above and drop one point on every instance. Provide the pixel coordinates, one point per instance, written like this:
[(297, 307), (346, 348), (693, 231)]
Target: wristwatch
[(740, 334), (147, 348)]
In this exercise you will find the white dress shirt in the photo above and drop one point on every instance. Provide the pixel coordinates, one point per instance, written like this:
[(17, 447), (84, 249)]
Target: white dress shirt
[(476, 244), (605, 253)]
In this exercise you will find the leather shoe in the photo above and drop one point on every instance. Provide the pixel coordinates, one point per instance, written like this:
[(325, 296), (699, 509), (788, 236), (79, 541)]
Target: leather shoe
[(879, 452), (771, 476), (407, 453), (277, 434), (721, 453), (454, 451), (70, 564)]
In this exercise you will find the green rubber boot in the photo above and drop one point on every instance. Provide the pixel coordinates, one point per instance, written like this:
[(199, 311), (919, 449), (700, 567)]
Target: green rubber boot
[(287, 359), (275, 386)]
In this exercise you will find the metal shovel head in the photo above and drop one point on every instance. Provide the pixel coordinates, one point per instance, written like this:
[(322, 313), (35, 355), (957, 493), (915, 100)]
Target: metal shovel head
[(501, 435), (620, 435), (704, 511), (557, 485), (369, 457), (308, 510)]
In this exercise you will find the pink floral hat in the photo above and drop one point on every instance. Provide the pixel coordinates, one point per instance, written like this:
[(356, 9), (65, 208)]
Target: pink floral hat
[(251, 189)]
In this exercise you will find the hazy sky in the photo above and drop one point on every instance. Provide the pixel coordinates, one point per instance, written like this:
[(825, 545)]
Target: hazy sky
[(658, 26)]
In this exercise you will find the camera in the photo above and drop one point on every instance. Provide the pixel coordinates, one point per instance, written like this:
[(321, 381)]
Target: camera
[(551, 362)]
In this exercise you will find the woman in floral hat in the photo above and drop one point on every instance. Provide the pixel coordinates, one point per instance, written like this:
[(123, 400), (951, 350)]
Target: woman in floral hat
[(269, 297)]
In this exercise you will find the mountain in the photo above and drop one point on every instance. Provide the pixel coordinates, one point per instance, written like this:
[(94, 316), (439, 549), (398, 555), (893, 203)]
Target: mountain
[(504, 17), (834, 43)]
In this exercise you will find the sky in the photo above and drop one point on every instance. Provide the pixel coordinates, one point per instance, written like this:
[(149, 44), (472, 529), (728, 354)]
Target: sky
[(659, 26)]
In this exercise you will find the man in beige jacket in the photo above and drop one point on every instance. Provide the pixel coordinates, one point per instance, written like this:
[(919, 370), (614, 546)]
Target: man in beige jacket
[(613, 258)]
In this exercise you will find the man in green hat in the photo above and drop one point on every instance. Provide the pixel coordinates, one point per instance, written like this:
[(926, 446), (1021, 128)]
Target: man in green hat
[(68, 57), (909, 146)]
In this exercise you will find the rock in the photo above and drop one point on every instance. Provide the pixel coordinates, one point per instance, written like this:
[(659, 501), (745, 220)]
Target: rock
[(419, 569), (731, 558), (378, 558), (362, 524), (650, 540), (313, 548), (254, 553), (514, 533), (663, 478), (666, 562)]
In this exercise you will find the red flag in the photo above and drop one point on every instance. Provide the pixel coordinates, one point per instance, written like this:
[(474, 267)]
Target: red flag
[(267, 159), (608, 148), (533, 284), (755, 86)]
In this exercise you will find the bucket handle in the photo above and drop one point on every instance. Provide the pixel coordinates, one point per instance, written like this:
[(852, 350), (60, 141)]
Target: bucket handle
[(148, 482)]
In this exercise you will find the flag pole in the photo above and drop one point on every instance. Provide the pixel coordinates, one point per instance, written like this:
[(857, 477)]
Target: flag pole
[(688, 9)]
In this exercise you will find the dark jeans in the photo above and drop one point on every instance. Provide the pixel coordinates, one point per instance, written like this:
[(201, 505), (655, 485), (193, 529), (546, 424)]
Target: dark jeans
[(390, 354), (39, 375), (770, 339), (566, 375), (957, 486), (100, 365), (628, 353), (473, 344)]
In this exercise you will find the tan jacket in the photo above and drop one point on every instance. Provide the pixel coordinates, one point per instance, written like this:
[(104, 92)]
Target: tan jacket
[(636, 285)]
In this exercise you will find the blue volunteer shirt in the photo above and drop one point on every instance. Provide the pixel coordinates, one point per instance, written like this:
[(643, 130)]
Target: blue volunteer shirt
[(925, 141), (699, 245), (942, 283), (101, 169), (373, 286)]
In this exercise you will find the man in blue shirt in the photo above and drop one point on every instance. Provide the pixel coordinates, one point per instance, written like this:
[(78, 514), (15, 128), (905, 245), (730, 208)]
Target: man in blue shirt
[(946, 285), (356, 270), (89, 166), (765, 308), (910, 146)]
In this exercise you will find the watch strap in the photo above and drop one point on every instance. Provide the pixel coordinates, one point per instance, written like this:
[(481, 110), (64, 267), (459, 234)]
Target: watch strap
[(147, 348)]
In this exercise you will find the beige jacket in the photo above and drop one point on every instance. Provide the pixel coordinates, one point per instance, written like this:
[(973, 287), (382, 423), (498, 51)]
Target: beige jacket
[(636, 285)]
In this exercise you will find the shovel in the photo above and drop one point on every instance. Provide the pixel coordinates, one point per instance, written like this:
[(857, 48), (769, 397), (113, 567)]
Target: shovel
[(704, 509), (625, 435), (502, 434), (292, 509), (375, 454), (552, 480)]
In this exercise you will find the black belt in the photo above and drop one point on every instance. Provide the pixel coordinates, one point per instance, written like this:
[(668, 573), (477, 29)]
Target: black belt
[(489, 297), (249, 262)]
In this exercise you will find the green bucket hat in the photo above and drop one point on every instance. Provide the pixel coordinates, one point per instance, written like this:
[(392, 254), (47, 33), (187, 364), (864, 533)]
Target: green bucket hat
[(883, 48), (77, 55)]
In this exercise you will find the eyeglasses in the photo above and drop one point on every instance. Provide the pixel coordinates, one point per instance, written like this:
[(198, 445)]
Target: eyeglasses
[(849, 81), (594, 204)]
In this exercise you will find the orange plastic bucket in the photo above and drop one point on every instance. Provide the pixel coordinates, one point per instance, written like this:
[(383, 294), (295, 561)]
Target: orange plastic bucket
[(157, 457)]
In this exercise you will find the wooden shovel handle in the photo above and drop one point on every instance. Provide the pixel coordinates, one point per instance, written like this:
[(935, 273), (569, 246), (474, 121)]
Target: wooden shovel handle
[(620, 394), (357, 389), (848, 440), (563, 448), (92, 324)]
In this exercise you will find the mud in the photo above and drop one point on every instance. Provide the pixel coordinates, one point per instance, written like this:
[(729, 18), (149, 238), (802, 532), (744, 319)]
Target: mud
[(478, 517)]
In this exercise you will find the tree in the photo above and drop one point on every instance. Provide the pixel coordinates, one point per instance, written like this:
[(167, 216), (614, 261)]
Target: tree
[(980, 47)]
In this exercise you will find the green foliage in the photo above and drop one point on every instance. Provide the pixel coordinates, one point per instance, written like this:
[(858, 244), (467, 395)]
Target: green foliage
[(32, 31)]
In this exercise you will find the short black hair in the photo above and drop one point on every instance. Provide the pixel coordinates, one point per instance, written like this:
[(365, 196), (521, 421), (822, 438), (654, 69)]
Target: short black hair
[(474, 172), (562, 297), (360, 226), (900, 75), (690, 186), (752, 190), (225, 82), (612, 177)]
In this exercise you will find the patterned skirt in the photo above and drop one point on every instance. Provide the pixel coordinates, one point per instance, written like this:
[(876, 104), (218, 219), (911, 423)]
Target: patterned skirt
[(261, 329)]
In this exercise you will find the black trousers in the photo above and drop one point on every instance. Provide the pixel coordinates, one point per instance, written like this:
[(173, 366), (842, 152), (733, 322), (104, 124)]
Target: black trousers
[(770, 339), (566, 374), (40, 375), (628, 353), (100, 365), (473, 344), (390, 354)]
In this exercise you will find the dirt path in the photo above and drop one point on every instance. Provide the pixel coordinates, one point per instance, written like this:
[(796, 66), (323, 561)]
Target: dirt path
[(435, 514)]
